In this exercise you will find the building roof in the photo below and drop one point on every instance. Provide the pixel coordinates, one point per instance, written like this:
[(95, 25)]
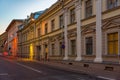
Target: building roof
[(37, 14), (12, 22)]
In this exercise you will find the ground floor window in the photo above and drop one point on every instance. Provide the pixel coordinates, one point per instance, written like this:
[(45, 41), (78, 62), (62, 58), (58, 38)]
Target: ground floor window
[(89, 45), (61, 49), (53, 49), (73, 47), (112, 43)]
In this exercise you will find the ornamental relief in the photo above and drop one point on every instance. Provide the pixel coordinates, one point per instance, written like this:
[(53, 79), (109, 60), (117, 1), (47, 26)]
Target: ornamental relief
[(60, 36), (72, 33), (88, 29), (110, 24), (52, 39)]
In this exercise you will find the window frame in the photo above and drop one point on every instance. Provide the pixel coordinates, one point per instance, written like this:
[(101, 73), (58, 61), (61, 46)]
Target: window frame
[(72, 15), (113, 5), (61, 20), (88, 7), (46, 28), (113, 42), (73, 52), (39, 32), (89, 44), (52, 25)]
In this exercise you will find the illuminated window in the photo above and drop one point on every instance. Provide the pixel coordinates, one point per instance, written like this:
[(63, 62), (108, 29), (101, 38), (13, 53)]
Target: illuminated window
[(112, 43), (31, 51), (61, 49), (72, 15), (88, 8), (112, 3)]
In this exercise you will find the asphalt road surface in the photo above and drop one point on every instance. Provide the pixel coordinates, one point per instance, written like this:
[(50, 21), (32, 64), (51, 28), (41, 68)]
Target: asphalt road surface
[(28, 70)]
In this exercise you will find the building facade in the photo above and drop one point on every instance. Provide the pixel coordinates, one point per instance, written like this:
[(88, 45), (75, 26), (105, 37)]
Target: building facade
[(87, 30), (27, 35), (3, 43), (12, 36)]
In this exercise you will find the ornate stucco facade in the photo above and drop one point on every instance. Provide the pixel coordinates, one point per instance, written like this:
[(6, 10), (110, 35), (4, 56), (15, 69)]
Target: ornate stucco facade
[(77, 30)]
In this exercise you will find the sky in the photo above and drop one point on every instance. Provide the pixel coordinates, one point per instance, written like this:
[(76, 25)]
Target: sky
[(19, 9)]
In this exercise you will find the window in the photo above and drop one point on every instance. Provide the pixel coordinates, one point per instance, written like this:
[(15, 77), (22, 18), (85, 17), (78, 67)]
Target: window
[(61, 21), (88, 8), (89, 45), (46, 28), (61, 49), (53, 49), (73, 47), (38, 32), (112, 3), (72, 15), (112, 43), (52, 24)]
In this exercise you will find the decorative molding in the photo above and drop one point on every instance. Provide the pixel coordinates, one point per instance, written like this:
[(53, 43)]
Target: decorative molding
[(88, 30), (110, 24)]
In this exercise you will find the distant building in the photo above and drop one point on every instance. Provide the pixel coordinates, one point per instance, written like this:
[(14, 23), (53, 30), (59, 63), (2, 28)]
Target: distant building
[(12, 36), (27, 32), (3, 43)]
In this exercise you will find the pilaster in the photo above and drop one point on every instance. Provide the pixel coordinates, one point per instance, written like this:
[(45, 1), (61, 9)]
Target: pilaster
[(98, 31), (78, 19), (65, 34)]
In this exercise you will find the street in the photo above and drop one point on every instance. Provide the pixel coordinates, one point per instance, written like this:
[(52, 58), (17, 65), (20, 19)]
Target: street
[(28, 70)]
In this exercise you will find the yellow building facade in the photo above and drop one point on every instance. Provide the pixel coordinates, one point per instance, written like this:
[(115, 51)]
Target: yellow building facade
[(77, 30)]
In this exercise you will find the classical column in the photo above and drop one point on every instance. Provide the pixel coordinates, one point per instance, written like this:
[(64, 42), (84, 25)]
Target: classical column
[(98, 31), (65, 34), (78, 19)]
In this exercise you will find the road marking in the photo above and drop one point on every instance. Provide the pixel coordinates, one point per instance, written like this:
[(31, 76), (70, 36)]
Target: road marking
[(29, 68), (105, 78), (3, 74)]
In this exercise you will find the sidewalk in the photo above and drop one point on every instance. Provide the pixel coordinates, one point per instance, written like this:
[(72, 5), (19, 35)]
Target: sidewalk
[(97, 69), (101, 70)]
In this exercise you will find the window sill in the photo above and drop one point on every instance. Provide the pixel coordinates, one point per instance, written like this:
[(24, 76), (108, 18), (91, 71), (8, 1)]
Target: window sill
[(72, 24), (86, 18)]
